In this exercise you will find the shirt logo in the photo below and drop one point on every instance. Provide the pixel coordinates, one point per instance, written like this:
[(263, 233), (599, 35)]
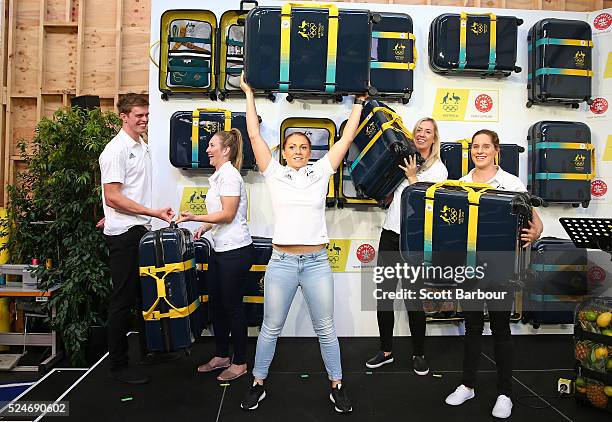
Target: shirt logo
[(132, 155), (311, 30), (478, 28)]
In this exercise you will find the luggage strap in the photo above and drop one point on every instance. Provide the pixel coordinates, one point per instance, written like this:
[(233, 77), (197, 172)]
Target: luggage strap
[(245, 299), (562, 71), (474, 191), (151, 314), (564, 41), (188, 69), (567, 176), (556, 268), (394, 36), (465, 155), (395, 120), (195, 129), (463, 40), (285, 44)]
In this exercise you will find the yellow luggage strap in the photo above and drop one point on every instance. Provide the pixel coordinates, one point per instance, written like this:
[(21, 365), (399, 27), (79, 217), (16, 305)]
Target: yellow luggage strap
[(396, 65), (568, 176), (151, 314), (245, 299), (195, 129), (463, 40), (285, 44)]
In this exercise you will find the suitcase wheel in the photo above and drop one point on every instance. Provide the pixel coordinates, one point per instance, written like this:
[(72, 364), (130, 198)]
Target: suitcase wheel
[(188, 351), (545, 204), (372, 91), (529, 104), (222, 96), (575, 105), (289, 98), (271, 97), (338, 98), (164, 96), (405, 100), (375, 18), (575, 205), (589, 101), (213, 96), (585, 204), (340, 203), (330, 202), (536, 326), (519, 22), (518, 69)]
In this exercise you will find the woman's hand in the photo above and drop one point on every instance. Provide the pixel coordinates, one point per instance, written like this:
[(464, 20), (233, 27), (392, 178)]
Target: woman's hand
[(244, 85), (411, 169), (185, 216), (530, 234), (201, 230)]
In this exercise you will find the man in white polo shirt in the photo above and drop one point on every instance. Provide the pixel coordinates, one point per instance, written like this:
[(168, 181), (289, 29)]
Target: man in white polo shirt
[(125, 166)]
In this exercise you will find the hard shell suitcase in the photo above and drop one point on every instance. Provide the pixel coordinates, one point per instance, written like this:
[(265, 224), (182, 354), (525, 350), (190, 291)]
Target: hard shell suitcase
[(231, 50), (190, 132), (593, 352), (561, 162), (456, 158), (308, 50), (383, 142), (393, 56), (203, 249), (254, 295), (170, 297), (484, 45), (322, 134), (187, 52), (440, 226), (560, 62), (557, 282)]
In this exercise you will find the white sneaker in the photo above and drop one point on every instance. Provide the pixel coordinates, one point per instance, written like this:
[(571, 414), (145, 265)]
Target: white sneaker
[(460, 395), (503, 407)]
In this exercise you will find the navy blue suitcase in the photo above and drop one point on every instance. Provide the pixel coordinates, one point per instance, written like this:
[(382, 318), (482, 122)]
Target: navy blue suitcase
[(561, 162), (254, 294), (560, 62), (456, 157), (170, 297), (383, 143), (203, 249)]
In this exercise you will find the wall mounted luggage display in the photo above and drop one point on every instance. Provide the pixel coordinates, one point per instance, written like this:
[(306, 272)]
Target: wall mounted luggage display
[(383, 142), (322, 134), (593, 352), (203, 249), (557, 282), (465, 43), (456, 157), (190, 132), (187, 53), (254, 294), (308, 50), (393, 57), (561, 162), (170, 296), (560, 62), (230, 59)]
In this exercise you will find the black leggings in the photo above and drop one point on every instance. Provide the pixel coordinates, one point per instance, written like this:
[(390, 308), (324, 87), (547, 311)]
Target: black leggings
[(388, 255), (227, 280)]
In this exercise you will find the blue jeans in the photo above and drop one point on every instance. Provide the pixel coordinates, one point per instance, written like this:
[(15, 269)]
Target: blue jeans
[(285, 272)]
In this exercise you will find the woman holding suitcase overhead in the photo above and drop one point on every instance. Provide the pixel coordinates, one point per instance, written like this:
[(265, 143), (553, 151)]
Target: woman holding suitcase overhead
[(427, 141), (485, 145), (299, 255), (232, 256)]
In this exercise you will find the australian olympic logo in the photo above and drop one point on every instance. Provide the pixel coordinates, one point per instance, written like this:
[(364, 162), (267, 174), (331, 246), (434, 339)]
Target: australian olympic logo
[(450, 102)]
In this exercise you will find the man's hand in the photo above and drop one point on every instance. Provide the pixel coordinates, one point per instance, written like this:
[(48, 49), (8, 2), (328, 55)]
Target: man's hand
[(185, 216), (100, 224), (529, 235), (165, 214)]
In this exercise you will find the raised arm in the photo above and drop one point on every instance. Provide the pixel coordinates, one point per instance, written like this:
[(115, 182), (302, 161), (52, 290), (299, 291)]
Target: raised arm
[(259, 145), (338, 151)]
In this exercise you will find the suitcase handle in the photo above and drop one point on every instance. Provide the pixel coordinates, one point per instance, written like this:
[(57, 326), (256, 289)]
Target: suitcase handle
[(243, 2), (332, 7)]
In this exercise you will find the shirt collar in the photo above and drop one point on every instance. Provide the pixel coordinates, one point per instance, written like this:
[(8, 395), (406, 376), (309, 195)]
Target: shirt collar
[(131, 142), (223, 168)]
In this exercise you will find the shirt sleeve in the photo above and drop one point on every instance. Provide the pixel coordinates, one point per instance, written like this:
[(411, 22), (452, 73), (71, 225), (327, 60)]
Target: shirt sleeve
[(230, 184), (324, 166), (273, 167), (112, 167)]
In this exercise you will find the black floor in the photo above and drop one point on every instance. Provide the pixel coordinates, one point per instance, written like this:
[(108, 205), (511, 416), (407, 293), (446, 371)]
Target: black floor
[(297, 388)]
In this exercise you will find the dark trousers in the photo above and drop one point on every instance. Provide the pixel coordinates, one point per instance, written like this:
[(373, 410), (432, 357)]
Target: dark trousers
[(126, 295), (388, 255), (228, 276), (500, 329)]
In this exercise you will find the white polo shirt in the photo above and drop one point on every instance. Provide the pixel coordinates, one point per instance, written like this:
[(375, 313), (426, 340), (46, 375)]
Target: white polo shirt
[(127, 162), (502, 181), (435, 173), (298, 202), (227, 181)]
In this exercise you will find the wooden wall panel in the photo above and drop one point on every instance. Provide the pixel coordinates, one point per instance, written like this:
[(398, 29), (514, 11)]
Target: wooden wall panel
[(26, 48), (134, 61), (55, 11), (51, 103), (23, 120), (60, 60), (98, 62)]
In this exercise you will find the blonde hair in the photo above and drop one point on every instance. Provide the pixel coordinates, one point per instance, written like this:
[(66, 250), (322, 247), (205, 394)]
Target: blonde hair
[(434, 153), (233, 139)]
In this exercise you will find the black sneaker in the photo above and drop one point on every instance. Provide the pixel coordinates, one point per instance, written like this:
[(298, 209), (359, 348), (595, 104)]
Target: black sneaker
[(252, 399), (419, 364), (129, 375), (379, 360), (154, 358), (340, 399)]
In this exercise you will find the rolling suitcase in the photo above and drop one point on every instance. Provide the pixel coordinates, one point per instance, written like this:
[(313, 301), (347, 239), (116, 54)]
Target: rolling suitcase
[(170, 297), (254, 295), (558, 281), (383, 142), (593, 352), (322, 134), (560, 66), (231, 50), (190, 132), (393, 57), (458, 223), (187, 52), (308, 50), (561, 162), (456, 158), (474, 44), (203, 249)]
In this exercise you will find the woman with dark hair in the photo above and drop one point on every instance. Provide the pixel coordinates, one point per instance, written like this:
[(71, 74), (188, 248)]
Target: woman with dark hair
[(427, 141), (485, 146), (299, 256), (232, 256)]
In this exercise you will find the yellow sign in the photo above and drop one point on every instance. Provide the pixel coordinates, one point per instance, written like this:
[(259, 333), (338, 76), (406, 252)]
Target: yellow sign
[(193, 200), (450, 104), (607, 155), (608, 71), (337, 253)]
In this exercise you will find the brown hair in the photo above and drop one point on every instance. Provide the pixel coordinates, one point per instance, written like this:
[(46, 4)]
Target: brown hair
[(434, 154), (131, 100), (232, 139), (491, 134), (295, 133)]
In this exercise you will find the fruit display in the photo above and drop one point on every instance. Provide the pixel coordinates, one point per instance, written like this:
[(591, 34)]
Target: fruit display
[(595, 316)]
